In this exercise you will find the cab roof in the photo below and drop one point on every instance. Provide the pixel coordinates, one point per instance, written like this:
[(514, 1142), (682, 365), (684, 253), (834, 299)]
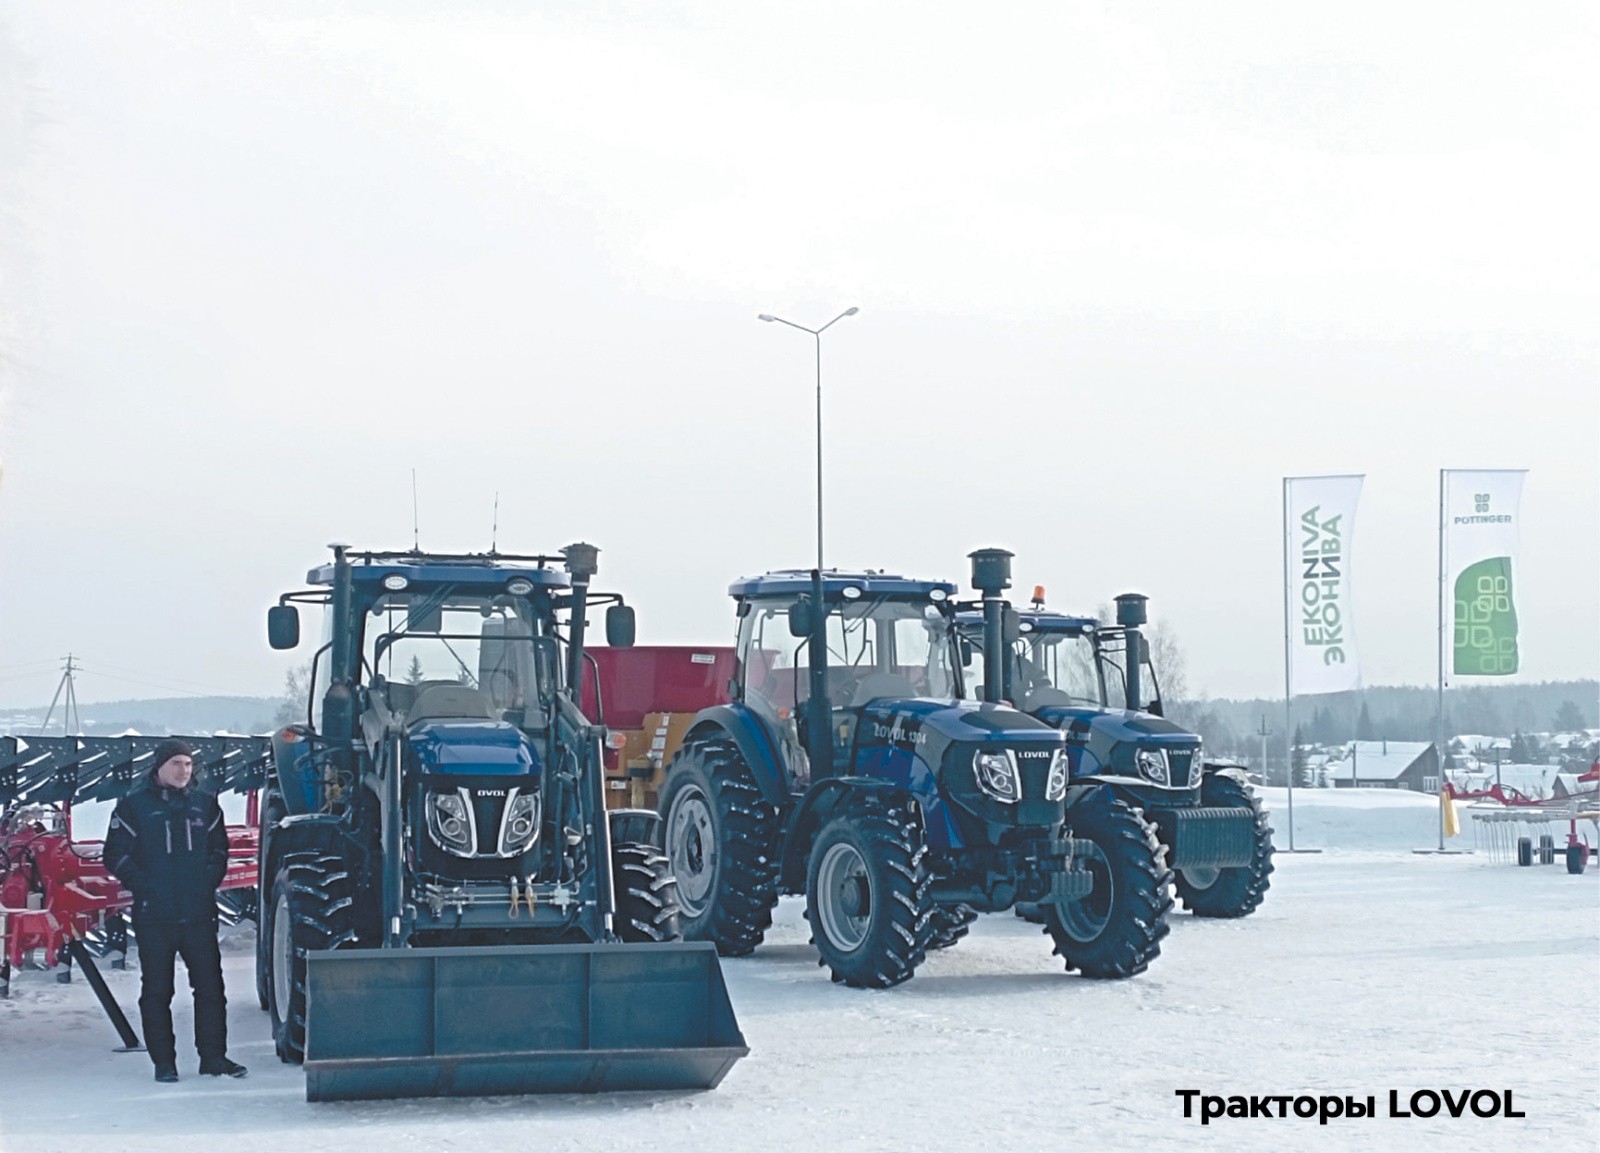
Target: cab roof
[(485, 571), (1039, 622), (793, 582)]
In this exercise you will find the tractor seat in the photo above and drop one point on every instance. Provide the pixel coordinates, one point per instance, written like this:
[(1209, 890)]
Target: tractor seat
[(445, 701), (1044, 697), (879, 684)]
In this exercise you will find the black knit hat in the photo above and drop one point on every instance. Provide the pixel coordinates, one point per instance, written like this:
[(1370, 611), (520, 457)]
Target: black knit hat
[(166, 750)]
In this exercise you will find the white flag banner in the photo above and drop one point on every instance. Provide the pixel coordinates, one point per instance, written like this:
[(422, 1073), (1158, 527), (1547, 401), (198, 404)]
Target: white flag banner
[(1480, 516), (1319, 527)]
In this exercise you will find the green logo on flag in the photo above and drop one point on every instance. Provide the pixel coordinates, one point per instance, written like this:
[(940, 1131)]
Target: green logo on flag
[(1486, 620)]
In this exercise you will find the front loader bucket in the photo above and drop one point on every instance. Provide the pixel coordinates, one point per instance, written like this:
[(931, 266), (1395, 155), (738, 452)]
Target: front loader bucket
[(470, 1022)]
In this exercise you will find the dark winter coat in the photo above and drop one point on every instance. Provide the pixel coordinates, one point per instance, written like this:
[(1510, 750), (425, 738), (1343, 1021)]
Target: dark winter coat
[(169, 848)]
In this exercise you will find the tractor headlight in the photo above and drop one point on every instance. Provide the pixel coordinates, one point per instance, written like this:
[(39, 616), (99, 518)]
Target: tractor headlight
[(1152, 765), (519, 828), (997, 775), (1056, 786), (1197, 761), (450, 823)]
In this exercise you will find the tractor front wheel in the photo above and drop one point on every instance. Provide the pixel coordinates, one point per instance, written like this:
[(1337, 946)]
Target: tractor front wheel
[(867, 894), (312, 907), (1116, 930), (1236, 891), (647, 893)]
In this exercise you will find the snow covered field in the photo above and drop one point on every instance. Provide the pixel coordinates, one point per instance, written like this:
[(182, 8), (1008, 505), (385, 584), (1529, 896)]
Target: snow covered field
[(1368, 969)]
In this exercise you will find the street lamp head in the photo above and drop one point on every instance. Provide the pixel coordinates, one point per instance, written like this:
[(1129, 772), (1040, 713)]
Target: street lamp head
[(851, 311), (764, 316)]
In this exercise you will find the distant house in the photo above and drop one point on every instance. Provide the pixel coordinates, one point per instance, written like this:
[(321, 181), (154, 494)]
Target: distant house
[(1410, 765), (1567, 785)]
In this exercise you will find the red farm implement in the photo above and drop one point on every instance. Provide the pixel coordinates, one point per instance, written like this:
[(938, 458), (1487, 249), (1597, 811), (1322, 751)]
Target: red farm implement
[(58, 904), (646, 696)]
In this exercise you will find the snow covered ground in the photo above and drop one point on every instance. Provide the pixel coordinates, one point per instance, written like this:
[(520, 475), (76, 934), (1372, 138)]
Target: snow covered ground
[(1368, 969)]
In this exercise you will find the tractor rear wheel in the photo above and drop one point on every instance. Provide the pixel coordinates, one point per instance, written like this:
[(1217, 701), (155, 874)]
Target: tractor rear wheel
[(1236, 891), (867, 894), (312, 907), (647, 893), (721, 838), (949, 923), (1116, 930)]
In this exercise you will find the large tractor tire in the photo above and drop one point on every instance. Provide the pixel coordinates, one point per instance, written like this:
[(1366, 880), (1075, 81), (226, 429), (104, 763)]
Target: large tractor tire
[(271, 813), (867, 894), (949, 923), (1237, 891), (647, 893), (721, 839), (1116, 930), (312, 907)]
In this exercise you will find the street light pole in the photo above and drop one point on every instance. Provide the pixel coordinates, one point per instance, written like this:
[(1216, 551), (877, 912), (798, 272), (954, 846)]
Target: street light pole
[(819, 717), (816, 335)]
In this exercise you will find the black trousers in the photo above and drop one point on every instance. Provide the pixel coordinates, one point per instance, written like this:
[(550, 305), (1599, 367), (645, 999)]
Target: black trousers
[(160, 944)]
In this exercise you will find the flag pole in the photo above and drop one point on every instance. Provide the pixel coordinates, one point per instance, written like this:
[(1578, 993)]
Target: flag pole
[(1288, 728), (1439, 711)]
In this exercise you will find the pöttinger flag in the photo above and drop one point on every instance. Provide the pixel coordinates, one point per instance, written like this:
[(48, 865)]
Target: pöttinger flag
[(1319, 528), (1480, 518)]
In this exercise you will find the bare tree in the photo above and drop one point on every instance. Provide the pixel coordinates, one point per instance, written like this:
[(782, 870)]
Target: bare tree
[(296, 696), (1166, 657)]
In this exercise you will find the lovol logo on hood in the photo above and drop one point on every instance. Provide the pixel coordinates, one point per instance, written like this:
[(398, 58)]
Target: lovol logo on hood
[(897, 733)]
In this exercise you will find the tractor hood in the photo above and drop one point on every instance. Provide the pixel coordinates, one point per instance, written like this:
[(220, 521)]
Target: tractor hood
[(1108, 742), (472, 748), (921, 720), (943, 737)]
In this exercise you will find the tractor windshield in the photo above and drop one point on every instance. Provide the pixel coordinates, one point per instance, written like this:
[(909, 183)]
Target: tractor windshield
[(481, 648), (1058, 668), (876, 648)]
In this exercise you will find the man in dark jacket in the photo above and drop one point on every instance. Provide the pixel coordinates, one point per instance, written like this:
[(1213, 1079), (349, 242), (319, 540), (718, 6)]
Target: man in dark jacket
[(169, 847)]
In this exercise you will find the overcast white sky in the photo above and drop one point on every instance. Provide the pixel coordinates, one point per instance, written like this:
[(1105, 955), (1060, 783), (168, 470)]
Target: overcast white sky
[(1120, 269)]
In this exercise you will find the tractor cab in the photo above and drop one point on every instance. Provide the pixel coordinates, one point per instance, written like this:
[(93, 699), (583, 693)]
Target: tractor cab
[(888, 638), (1072, 673)]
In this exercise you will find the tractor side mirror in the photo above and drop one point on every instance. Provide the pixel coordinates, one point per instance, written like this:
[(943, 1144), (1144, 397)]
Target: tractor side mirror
[(800, 618), (1010, 625), (965, 647), (283, 626), (544, 666), (620, 626)]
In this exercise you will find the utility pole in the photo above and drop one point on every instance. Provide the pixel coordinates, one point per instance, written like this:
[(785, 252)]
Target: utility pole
[(1263, 732), (69, 713)]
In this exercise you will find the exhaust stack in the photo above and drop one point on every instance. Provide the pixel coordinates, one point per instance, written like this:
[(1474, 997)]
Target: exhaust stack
[(991, 576), (1131, 616)]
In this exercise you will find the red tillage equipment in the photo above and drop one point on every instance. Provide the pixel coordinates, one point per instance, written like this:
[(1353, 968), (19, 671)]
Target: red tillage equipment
[(57, 901)]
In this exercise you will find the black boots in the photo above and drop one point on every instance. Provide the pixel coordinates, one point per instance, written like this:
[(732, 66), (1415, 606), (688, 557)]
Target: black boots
[(221, 1067), (166, 1073)]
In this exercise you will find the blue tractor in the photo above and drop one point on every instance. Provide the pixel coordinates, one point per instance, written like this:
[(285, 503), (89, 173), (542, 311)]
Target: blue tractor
[(847, 767), (1095, 683), (445, 906)]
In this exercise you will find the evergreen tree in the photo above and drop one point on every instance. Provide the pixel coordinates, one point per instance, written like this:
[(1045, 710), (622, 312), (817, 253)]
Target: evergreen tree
[(1569, 718), (414, 671), (1302, 772), (1364, 728)]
